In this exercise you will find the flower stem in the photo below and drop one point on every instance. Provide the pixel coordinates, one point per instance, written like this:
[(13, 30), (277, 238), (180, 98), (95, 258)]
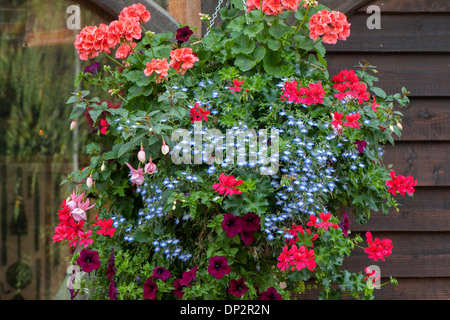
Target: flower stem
[(301, 23), (113, 59), (134, 51)]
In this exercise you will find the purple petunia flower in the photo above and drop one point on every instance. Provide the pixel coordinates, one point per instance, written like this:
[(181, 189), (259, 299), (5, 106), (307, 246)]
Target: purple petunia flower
[(218, 267), (150, 289), (188, 276), (111, 269), (361, 144), (178, 291), (183, 34), (247, 237), (113, 293), (88, 260), (231, 224), (270, 294), (251, 222), (93, 68), (161, 273), (344, 224), (238, 288)]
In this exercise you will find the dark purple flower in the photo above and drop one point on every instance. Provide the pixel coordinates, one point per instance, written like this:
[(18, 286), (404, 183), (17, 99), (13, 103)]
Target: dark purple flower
[(270, 294), (231, 224), (93, 68), (183, 34), (112, 291), (178, 291), (251, 222), (161, 273), (344, 224), (150, 289), (247, 237), (238, 288), (188, 276), (361, 144), (111, 269), (88, 260), (218, 267)]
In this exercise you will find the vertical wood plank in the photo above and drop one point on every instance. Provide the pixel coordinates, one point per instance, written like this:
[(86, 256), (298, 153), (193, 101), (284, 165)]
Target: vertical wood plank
[(186, 12)]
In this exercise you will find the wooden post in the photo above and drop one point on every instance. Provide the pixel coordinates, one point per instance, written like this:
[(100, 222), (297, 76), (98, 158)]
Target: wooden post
[(186, 12)]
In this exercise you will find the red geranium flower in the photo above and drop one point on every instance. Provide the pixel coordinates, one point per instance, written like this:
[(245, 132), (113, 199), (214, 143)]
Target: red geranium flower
[(378, 249), (237, 85), (198, 114), (352, 120), (106, 227), (227, 185)]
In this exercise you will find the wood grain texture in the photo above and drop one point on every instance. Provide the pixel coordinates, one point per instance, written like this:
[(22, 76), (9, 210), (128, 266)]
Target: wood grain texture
[(426, 119), (428, 162), (414, 254), (345, 6), (424, 75), (414, 6), (407, 289), (427, 210), (398, 33)]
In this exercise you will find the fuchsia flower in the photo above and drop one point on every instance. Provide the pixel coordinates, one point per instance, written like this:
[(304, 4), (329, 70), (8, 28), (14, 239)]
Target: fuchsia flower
[(79, 213), (228, 185), (137, 175), (218, 267)]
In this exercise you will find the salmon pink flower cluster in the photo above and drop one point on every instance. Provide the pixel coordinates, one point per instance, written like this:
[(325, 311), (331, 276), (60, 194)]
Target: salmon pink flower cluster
[(400, 184), (378, 249), (311, 95), (272, 7), (93, 40), (158, 66), (182, 59), (330, 25)]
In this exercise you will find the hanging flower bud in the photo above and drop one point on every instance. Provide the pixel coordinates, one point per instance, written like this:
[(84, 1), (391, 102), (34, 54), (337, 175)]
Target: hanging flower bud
[(73, 125), (150, 167), (141, 155), (103, 167), (165, 148), (399, 125), (89, 181)]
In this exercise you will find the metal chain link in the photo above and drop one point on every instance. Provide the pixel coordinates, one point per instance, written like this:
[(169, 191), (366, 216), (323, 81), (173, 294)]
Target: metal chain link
[(214, 16)]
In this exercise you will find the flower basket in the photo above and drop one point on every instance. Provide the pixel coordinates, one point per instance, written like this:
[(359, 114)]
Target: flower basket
[(225, 167)]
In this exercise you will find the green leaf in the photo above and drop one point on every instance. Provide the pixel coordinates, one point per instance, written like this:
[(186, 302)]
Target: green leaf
[(124, 149), (259, 53), (141, 235), (244, 62), (72, 99), (226, 13), (95, 113), (271, 63), (379, 92), (253, 29), (78, 110), (279, 30), (92, 148), (243, 44)]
